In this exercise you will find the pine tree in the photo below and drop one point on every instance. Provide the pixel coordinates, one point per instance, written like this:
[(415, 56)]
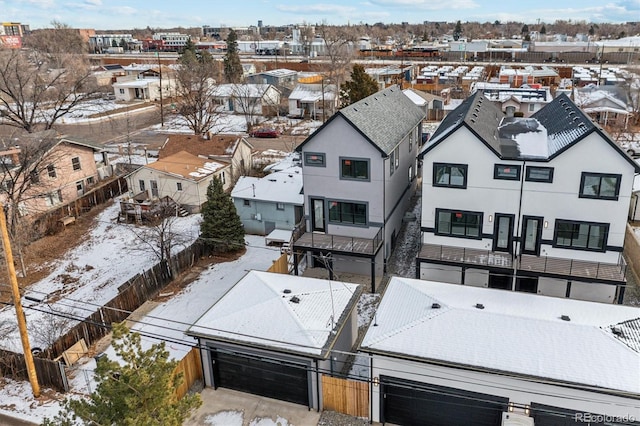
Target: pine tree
[(137, 390), (232, 65), (221, 227), (359, 87), (457, 31), (189, 46)]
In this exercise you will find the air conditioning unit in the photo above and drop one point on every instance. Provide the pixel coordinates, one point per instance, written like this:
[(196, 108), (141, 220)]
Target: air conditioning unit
[(513, 419)]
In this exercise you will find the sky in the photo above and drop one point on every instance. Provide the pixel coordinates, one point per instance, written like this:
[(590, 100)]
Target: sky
[(119, 14)]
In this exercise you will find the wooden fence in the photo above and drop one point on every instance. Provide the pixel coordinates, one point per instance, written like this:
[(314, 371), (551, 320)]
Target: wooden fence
[(280, 266), (345, 396), (191, 369), (50, 373)]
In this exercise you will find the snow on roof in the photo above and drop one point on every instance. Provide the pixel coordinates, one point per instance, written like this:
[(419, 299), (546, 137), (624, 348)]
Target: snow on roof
[(248, 90), (280, 311), (143, 82), (415, 98), (514, 332), (284, 186), (313, 92), (186, 165), (529, 136)]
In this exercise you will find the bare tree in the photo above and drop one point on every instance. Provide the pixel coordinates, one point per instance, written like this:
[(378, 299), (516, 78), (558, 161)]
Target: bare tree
[(197, 85), (250, 99), (51, 327), (339, 48), (159, 236), (38, 89), (61, 39)]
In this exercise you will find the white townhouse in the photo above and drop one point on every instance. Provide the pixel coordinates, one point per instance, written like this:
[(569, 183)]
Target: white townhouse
[(534, 204), (443, 354), (359, 172)]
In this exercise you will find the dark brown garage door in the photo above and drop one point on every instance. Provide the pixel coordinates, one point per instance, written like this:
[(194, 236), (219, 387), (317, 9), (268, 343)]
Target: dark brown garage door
[(408, 403), (261, 376)]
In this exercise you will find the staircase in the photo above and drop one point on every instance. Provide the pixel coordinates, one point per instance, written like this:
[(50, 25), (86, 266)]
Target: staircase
[(180, 211)]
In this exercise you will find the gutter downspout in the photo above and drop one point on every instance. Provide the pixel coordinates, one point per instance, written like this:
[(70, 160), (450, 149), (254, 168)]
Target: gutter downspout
[(518, 242), (317, 387)]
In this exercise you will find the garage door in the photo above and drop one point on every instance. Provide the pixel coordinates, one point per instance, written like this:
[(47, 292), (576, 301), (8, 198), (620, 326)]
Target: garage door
[(406, 402), (271, 378), (546, 415)]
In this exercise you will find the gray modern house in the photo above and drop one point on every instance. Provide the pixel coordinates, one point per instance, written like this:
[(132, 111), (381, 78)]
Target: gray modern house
[(359, 173)]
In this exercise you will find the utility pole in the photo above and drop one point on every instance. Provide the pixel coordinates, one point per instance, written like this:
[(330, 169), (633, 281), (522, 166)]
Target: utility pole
[(15, 292), (161, 104)]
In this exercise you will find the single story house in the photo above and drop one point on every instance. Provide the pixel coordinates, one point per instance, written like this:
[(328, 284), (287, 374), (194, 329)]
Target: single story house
[(274, 335), (444, 354), (271, 202), (311, 100)]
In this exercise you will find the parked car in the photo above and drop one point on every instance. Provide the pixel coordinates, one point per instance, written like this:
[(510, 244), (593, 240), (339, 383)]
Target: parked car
[(264, 132), (632, 148)]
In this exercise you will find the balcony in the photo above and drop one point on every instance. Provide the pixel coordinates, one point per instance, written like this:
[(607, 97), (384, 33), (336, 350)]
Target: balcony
[(542, 265), (364, 247)]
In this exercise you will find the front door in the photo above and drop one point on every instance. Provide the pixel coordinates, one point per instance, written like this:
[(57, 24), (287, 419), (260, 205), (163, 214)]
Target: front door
[(531, 235), (503, 233), (154, 188), (317, 215)]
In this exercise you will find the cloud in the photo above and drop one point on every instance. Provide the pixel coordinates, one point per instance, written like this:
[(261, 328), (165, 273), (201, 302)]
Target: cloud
[(427, 4), (45, 4), (321, 8), (93, 2)]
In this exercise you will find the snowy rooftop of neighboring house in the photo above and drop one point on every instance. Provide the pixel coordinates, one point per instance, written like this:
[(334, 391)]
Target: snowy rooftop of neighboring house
[(517, 333), (187, 166), (249, 90), (313, 92), (280, 73), (141, 82), (593, 98), (521, 94), (285, 312), (419, 97), (282, 186)]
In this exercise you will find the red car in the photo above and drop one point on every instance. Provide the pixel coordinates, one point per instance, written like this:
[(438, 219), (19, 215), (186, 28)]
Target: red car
[(264, 132)]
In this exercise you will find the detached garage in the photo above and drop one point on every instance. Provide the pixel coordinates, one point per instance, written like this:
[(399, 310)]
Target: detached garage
[(273, 335), (448, 354)]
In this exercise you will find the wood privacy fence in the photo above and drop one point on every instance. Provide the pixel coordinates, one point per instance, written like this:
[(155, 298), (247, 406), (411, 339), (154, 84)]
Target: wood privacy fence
[(191, 369), (50, 373), (280, 266), (345, 396)]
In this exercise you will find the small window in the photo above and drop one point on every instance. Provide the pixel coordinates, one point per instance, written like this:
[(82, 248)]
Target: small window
[(34, 176), (314, 159), (532, 107), (90, 180), (141, 184), (246, 203), (581, 235), (51, 171), (450, 175), (599, 185), (354, 169), (279, 206), (459, 224), (179, 186), (223, 178), (506, 172), (539, 174), (122, 91), (392, 161), (80, 187), (411, 176), (397, 164), (75, 162)]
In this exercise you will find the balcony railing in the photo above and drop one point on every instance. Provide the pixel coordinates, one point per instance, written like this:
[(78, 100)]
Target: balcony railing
[(552, 266), (336, 243)]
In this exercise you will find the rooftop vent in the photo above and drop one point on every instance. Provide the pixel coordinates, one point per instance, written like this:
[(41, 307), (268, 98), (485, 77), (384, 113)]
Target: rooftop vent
[(286, 291), (616, 330), (565, 318), (479, 306), (435, 306), (294, 299)]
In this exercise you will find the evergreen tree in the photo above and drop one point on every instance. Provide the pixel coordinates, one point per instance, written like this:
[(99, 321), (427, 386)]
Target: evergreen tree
[(359, 87), (232, 66), (221, 227), (137, 390), (543, 29), (457, 31), (525, 29), (189, 46)]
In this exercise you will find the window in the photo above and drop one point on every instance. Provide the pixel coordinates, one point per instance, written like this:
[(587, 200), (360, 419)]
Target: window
[(53, 198), (246, 203), (397, 156), (410, 141), (599, 185), (223, 178), (581, 235), (179, 186), (279, 206), (141, 184), (450, 175), (411, 176), (75, 162), (532, 107), (506, 172), (347, 213), (80, 187), (539, 174), (354, 169), (90, 180), (122, 91), (392, 161), (34, 176), (51, 171), (459, 224), (314, 159)]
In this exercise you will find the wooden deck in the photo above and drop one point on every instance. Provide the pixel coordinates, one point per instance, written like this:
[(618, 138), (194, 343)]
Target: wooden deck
[(337, 243), (551, 266)]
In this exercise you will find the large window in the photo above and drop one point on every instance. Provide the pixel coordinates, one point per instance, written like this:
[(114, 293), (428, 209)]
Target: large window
[(539, 174), (506, 172), (600, 185), (314, 159), (450, 175), (351, 168), (459, 224), (581, 235), (347, 213)]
